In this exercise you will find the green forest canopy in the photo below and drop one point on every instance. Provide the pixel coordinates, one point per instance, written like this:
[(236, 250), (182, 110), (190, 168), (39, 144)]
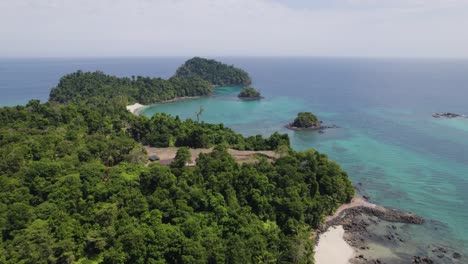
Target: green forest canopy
[(81, 86), (74, 188), (213, 71), (196, 77)]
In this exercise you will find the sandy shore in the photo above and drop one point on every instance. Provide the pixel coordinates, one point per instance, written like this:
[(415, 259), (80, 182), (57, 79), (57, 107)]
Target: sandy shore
[(135, 108), (376, 234), (332, 248), (343, 235)]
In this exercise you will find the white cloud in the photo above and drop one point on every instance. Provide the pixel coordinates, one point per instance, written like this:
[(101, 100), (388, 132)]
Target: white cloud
[(231, 27)]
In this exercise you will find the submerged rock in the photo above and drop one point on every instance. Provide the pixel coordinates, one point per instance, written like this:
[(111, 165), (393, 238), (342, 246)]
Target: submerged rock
[(446, 115), (425, 260)]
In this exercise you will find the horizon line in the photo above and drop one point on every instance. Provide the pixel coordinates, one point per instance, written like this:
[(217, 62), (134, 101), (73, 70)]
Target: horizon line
[(236, 56)]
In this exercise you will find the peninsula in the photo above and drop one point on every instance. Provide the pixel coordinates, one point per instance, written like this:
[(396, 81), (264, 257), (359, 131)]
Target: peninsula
[(75, 186)]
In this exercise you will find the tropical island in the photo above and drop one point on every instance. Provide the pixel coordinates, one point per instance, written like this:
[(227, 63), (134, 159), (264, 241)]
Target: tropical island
[(249, 93), (308, 121), (196, 77), (76, 184), (215, 72)]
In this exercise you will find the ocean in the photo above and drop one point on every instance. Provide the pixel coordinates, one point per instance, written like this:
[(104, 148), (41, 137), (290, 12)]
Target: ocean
[(394, 151)]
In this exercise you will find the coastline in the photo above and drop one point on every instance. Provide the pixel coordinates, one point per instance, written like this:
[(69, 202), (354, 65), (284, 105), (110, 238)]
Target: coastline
[(375, 234), (332, 247), (176, 99), (255, 98), (137, 107), (330, 243), (312, 128)]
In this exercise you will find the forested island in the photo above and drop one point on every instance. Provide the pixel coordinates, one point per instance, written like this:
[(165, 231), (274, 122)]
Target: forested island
[(213, 71), (249, 93), (196, 77), (308, 121), (74, 186)]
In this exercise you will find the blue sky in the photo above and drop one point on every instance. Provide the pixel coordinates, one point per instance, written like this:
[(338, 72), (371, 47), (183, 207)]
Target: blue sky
[(364, 28)]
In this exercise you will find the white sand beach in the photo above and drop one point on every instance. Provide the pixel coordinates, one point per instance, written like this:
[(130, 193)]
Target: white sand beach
[(332, 248), (134, 108)]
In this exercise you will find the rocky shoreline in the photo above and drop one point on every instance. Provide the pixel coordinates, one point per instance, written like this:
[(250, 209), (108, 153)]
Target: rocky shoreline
[(375, 232), (254, 98), (319, 128)]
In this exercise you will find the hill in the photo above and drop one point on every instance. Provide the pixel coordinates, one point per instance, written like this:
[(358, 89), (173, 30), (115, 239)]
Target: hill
[(213, 71)]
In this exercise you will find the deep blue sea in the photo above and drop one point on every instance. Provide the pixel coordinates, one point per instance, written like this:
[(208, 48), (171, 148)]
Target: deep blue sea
[(388, 142)]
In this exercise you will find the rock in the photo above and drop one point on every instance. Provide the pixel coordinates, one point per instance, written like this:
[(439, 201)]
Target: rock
[(446, 115), (320, 127), (424, 260), (456, 255), (441, 249), (358, 222)]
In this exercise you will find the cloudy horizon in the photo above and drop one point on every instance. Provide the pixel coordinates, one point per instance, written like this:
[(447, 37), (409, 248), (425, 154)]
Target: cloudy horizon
[(357, 28)]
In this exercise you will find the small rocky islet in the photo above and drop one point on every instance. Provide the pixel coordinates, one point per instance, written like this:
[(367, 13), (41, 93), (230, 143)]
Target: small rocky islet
[(308, 121), (249, 93), (448, 115)]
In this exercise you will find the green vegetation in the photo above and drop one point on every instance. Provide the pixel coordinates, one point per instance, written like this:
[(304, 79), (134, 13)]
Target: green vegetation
[(213, 71), (74, 188), (81, 86), (306, 120), (182, 157), (249, 92)]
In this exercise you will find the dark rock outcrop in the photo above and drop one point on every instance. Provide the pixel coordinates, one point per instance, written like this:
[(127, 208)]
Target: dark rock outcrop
[(446, 115)]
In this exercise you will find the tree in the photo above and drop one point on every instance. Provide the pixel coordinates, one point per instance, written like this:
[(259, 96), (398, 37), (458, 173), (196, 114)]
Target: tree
[(35, 244), (182, 157), (199, 112)]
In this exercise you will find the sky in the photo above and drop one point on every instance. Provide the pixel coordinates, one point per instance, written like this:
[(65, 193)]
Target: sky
[(362, 28)]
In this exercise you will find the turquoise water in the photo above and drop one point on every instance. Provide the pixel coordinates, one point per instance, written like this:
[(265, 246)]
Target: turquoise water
[(395, 153), (380, 162), (388, 142)]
